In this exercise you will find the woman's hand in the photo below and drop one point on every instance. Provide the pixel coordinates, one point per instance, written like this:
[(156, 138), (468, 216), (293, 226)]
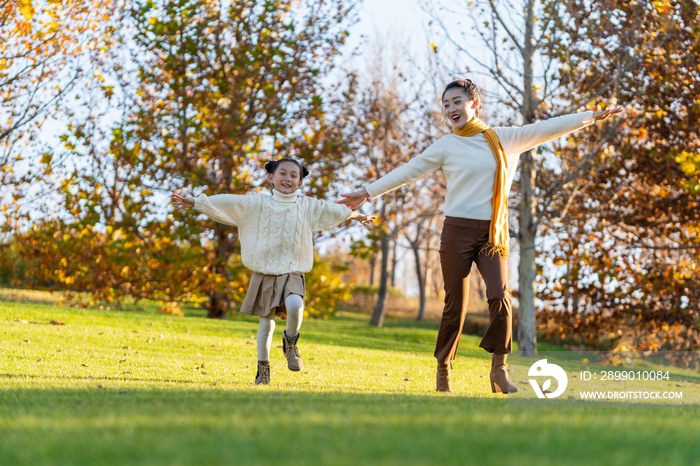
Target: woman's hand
[(182, 202), (354, 200), (599, 116)]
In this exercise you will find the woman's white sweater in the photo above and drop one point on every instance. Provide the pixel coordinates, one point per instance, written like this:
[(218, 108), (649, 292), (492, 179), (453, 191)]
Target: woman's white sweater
[(275, 231), (470, 166)]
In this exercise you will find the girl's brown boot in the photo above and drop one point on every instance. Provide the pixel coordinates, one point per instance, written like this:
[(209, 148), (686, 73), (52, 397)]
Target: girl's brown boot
[(500, 383)]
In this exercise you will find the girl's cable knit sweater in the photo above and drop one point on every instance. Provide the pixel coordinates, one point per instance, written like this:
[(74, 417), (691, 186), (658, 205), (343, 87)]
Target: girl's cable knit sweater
[(470, 166), (275, 231)]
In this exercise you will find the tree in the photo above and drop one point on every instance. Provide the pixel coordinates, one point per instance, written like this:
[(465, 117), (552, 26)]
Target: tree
[(389, 127), (633, 224), (47, 48), (206, 94)]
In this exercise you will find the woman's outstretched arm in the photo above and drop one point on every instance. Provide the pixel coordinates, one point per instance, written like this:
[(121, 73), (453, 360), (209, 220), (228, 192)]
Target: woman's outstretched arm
[(419, 166), (599, 116), (182, 202)]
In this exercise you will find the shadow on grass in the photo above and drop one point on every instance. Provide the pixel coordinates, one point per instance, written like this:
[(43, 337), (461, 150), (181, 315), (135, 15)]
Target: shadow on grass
[(269, 426)]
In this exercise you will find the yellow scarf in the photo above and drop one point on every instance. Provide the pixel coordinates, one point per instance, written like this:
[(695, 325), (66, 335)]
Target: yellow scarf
[(499, 241)]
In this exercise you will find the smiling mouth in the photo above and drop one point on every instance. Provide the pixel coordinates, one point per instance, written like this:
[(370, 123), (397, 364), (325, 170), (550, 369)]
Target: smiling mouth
[(286, 185), (456, 118)]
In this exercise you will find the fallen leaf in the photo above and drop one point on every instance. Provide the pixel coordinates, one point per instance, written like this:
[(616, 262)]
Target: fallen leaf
[(84, 365), (40, 359), (22, 321), (56, 322)]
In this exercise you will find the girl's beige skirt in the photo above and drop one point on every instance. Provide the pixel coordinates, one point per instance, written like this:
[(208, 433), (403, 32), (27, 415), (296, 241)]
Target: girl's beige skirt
[(268, 292)]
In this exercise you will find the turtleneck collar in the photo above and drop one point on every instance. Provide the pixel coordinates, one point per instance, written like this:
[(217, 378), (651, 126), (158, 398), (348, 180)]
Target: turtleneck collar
[(286, 198)]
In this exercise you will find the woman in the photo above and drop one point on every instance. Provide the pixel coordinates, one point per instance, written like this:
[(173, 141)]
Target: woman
[(479, 164)]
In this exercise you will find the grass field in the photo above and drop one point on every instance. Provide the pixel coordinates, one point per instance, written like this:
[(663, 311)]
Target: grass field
[(115, 387)]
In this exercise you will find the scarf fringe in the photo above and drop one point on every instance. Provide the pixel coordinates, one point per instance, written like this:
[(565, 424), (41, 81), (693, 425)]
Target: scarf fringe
[(491, 249)]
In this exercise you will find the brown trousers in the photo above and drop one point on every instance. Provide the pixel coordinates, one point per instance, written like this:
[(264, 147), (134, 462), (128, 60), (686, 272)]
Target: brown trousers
[(460, 243)]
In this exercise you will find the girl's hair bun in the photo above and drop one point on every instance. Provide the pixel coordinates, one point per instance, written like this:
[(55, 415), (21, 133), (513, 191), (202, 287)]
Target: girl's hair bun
[(270, 166)]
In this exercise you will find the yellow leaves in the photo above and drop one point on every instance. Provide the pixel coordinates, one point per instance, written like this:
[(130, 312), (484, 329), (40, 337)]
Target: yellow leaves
[(689, 162), (125, 271), (433, 47), (171, 308), (662, 7), (27, 9)]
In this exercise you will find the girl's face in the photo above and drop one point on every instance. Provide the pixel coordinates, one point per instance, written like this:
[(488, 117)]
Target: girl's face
[(287, 177), (459, 108)]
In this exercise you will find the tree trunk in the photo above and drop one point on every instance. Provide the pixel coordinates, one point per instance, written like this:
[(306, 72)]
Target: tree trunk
[(394, 260), (380, 307), (372, 262), (218, 303), (421, 282), (527, 319), (527, 327)]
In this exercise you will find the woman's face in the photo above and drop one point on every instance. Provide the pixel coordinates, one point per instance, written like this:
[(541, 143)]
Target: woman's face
[(459, 108), (287, 177)]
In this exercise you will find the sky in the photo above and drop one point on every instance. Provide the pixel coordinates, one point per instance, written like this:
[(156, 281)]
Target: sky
[(402, 17)]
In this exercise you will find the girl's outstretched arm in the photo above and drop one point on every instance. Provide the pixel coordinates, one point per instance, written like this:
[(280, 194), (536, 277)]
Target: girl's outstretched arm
[(182, 202), (229, 209)]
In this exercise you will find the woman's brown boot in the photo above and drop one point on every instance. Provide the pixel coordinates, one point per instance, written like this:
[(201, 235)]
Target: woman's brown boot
[(500, 383), (444, 377)]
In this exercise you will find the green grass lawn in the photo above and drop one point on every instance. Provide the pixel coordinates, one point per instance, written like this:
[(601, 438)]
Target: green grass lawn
[(122, 388)]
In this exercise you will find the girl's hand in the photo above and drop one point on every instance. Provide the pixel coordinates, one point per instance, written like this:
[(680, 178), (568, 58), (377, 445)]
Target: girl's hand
[(366, 220), (354, 200), (599, 116), (182, 202)]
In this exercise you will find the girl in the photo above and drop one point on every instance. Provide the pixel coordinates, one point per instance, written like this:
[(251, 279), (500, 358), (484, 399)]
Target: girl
[(479, 164), (276, 244)]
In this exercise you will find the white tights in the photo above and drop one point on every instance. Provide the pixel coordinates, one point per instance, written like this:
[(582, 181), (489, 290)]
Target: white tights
[(295, 314)]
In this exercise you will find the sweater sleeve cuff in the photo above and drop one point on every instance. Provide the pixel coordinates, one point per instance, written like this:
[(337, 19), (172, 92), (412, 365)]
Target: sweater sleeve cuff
[(199, 202), (373, 191)]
